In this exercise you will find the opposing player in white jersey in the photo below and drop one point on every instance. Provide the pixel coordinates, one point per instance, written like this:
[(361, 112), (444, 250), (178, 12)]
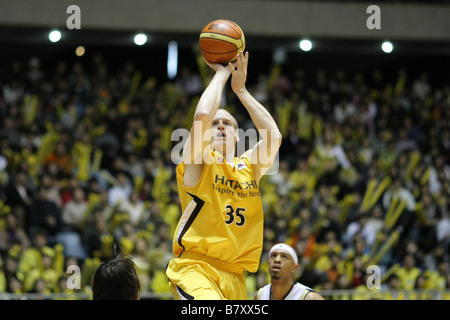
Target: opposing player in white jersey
[(283, 262)]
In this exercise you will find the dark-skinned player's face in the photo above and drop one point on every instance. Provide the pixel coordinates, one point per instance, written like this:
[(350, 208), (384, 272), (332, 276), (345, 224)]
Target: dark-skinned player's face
[(281, 264)]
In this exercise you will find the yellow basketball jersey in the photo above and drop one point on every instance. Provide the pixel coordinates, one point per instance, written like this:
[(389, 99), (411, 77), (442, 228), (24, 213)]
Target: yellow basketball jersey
[(222, 214)]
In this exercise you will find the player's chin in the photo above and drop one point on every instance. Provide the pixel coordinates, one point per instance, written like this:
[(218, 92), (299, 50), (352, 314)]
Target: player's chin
[(275, 275)]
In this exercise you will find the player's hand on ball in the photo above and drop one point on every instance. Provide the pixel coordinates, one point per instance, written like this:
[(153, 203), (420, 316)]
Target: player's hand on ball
[(217, 67)]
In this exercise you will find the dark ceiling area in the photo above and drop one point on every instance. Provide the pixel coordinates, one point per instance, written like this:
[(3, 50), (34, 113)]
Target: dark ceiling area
[(22, 43), (38, 35)]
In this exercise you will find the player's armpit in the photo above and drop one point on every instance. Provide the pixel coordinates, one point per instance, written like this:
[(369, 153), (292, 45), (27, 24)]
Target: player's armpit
[(192, 174)]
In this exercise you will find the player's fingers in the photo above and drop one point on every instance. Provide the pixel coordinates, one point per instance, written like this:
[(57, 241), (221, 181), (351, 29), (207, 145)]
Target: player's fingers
[(243, 65), (231, 67), (233, 63), (243, 58), (239, 60)]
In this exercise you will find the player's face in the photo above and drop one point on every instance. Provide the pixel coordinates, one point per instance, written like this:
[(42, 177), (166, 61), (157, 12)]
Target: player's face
[(223, 129), (281, 264)]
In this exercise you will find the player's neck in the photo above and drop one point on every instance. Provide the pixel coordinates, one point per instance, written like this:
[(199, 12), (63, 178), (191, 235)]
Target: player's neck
[(229, 156), (280, 289)]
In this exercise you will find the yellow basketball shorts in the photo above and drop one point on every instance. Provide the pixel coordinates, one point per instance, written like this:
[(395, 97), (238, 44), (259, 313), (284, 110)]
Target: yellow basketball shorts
[(193, 276)]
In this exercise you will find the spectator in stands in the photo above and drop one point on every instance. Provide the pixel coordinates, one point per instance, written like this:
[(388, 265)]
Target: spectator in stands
[(45, 214), (120, 193), (12, 235), (9, 274), (74, 213), (118, 272), (20, 195), (135, 208), (95, 234), (141, 259), (443, 232), (408, 273), (32, 257), (60, 158), (52, 184)]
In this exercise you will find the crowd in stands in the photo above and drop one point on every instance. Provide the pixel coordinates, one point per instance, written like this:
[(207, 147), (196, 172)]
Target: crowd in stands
[(87, 171)]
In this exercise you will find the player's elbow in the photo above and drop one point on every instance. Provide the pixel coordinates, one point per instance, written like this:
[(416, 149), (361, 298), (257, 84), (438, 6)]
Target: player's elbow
[(201, 116), (276, 138)]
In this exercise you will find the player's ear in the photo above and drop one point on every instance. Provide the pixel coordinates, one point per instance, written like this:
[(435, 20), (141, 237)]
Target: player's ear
[(236, 136), (294, 268)]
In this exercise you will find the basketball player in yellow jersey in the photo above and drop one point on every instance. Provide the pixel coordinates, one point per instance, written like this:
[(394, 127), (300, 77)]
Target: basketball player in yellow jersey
[(219, 234)]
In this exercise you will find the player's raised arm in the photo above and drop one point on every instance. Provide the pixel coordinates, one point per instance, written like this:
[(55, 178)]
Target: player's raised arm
[(263, 154), (206, 109)]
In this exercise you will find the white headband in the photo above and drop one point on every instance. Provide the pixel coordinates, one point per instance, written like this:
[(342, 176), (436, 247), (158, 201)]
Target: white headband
[(285, 247)]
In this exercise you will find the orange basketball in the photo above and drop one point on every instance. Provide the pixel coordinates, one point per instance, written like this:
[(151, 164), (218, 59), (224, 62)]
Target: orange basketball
[(221, 40)]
